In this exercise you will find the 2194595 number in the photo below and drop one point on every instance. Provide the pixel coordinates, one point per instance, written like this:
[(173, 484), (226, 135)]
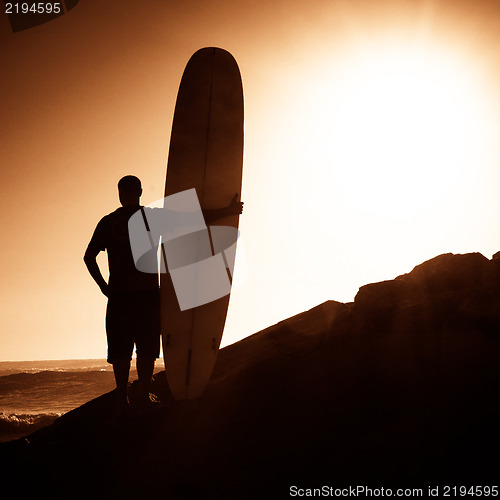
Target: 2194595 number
[(478, 491), (34, 8)]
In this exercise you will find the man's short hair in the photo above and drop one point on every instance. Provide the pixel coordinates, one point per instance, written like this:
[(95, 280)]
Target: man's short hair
[(130, 184)]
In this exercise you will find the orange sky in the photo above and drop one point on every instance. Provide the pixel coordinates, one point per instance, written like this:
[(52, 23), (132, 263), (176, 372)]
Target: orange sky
[(89, 97)]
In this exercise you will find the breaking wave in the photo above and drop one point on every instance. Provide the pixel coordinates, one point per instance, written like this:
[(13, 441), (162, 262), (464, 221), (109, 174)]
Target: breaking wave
[(15, 426)]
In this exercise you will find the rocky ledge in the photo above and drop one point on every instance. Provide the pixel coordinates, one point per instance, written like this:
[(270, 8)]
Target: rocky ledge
[(397, 389)]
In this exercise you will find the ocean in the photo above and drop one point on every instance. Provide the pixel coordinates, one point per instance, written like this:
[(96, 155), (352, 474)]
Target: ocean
[(34, 393)]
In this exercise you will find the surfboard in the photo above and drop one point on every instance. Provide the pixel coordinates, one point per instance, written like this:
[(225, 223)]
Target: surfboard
[(205, 154)]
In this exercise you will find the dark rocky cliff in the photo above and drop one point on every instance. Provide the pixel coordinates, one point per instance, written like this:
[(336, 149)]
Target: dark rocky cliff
[(398, 389)]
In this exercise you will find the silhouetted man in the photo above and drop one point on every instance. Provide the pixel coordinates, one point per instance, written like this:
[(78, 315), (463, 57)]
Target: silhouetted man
[(133, 310)]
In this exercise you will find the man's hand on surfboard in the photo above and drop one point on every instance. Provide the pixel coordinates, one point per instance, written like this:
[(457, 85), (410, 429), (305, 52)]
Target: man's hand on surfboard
[(236, 206)]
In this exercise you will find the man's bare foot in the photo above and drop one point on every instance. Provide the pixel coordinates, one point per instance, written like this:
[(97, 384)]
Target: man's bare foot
[(147, 402), (122, 405)]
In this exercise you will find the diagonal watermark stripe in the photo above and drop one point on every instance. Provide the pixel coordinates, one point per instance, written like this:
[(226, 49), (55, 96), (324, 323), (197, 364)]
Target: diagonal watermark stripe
[(200, 260)]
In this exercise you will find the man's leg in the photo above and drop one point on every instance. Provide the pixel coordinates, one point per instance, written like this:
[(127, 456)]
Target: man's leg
[(121, 369), (147, 341), (120, 344), (145, 368)]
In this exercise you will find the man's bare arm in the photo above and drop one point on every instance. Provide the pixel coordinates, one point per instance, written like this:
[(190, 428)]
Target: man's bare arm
[(91, 263), (234, 208)]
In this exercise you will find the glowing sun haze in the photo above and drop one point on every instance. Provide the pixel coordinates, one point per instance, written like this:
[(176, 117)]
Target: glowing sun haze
[(401, 125)]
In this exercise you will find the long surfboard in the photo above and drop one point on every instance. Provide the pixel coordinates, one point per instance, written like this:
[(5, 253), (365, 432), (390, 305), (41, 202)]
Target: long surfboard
[(206, 153)]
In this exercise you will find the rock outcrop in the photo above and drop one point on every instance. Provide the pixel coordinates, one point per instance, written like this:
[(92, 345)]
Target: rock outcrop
[(397, 389)]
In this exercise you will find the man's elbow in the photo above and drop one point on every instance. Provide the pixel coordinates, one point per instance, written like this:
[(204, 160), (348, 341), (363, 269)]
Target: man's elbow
[(89, 257)]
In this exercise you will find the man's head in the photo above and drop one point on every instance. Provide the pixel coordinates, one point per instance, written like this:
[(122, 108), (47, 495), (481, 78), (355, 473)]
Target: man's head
[(129, 190)]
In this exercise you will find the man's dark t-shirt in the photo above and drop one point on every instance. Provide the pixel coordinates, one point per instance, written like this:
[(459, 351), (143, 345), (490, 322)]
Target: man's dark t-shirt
[(111, 234)]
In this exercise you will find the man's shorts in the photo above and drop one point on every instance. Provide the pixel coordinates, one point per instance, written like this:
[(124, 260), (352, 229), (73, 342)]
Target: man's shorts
[(133, 318)]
